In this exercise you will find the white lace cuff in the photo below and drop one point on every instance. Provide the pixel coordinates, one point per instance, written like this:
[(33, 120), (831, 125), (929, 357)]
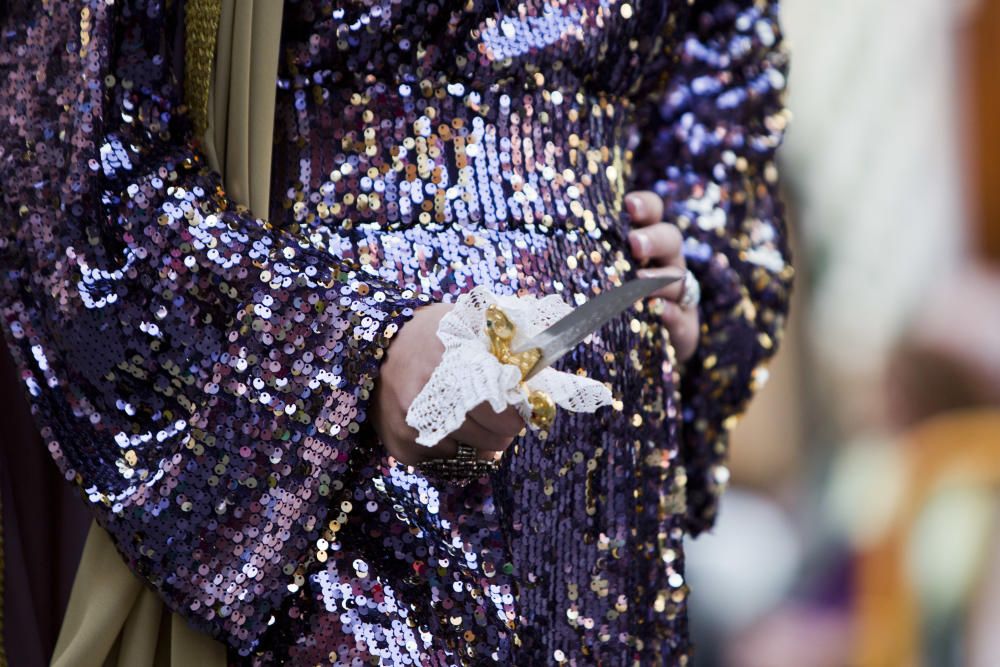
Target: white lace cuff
[(470, 374)]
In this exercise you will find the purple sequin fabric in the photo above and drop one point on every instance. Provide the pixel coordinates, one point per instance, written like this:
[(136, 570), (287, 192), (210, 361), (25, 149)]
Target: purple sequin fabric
[(204, 376)]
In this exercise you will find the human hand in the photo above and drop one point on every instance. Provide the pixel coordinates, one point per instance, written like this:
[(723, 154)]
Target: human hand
[(410, 361), (660, 245)]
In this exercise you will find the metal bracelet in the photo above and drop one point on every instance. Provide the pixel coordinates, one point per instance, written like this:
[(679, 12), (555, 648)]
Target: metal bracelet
[(462, 468)]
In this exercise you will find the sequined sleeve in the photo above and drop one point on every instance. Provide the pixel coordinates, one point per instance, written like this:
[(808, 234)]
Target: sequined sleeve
[(708, 148), (202, 376)]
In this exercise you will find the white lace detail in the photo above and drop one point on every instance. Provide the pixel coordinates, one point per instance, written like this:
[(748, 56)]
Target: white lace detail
[(469, 374)]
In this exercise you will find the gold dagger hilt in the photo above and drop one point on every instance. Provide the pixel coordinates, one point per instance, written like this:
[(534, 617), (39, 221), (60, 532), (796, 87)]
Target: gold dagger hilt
[(501, 330)]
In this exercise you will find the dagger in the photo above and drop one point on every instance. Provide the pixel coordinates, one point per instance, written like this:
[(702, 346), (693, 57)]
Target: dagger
[(566, 333)]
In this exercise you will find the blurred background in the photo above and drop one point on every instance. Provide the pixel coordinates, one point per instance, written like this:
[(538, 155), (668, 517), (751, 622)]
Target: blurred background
[(862, 526)]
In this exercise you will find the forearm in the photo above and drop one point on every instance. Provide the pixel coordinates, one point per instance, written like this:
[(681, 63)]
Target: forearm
[(201, 375)]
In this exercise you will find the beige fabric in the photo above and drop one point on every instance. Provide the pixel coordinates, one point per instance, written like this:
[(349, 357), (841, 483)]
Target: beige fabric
[(113, 618), (240, 132)]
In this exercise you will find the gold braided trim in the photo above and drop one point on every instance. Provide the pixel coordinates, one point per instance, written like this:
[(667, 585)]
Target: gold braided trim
[(201, 27)]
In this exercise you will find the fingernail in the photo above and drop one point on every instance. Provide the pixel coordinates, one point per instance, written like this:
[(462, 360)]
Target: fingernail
[(635, 203), (644, 244)]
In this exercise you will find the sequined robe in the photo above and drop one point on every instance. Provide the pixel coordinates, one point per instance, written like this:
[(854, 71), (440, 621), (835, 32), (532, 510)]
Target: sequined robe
[(204, 376)]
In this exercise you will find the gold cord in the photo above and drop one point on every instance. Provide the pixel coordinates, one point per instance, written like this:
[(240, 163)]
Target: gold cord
[(201, 25)]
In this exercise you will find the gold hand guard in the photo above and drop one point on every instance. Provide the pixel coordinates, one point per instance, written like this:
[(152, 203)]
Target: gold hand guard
[(501, 332)]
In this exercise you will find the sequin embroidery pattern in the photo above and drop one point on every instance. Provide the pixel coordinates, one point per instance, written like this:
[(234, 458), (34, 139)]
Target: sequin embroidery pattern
[(204, 376)]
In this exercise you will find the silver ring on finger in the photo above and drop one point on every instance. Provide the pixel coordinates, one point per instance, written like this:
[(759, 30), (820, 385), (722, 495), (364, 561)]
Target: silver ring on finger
[(691, 291)]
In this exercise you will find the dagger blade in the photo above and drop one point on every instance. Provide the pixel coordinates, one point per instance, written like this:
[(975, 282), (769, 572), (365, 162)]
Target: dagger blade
[(567, 333)]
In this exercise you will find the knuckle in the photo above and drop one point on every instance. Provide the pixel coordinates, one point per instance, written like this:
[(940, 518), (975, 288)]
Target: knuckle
[(669, 237), (514, 425), (657, 234), (670, 234), (655, 203)]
